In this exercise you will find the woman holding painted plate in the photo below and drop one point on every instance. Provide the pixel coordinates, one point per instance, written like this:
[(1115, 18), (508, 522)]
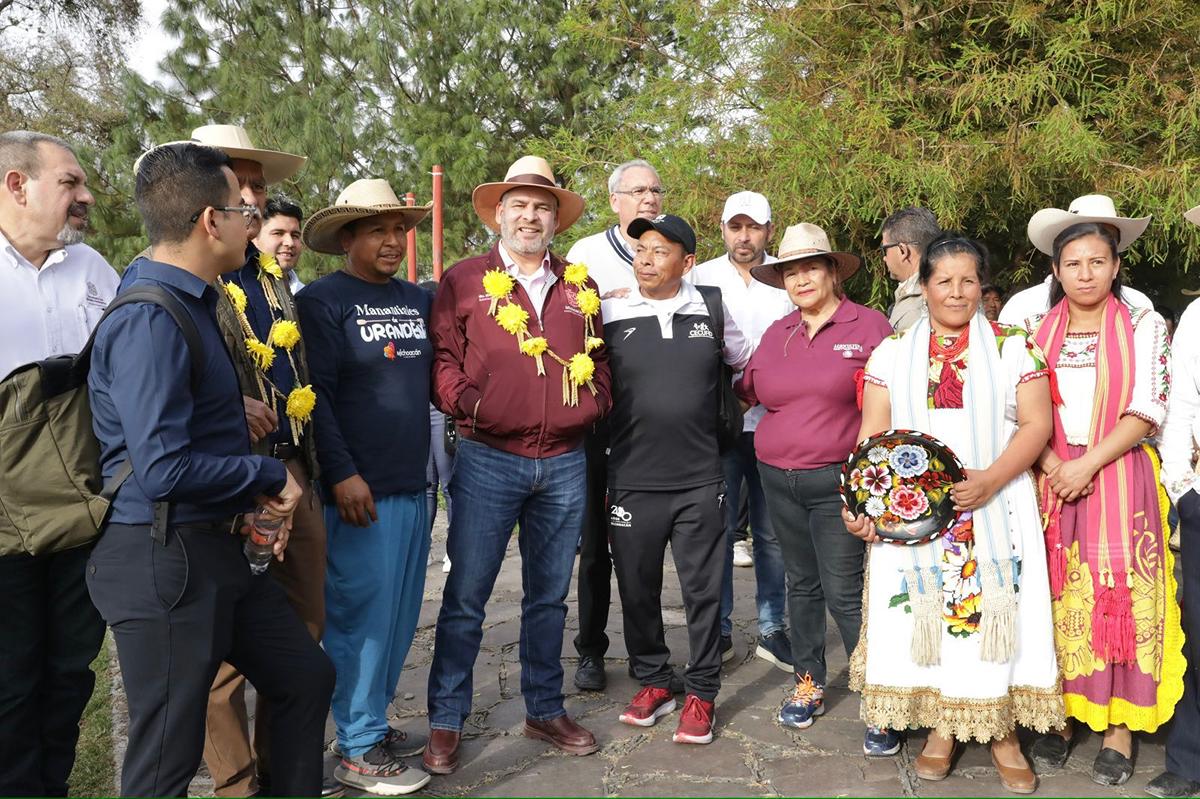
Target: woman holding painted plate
[(1116, 619), (958, 634)]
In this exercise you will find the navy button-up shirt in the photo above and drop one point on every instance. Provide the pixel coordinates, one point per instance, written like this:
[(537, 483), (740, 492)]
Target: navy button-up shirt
[(189, 445)]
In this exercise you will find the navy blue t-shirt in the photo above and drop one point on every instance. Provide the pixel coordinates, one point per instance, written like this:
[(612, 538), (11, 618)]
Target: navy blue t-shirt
[(370, 358)]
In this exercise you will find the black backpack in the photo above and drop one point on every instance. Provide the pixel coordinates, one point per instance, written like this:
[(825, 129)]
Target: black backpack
[(51, 497), (729, 407)]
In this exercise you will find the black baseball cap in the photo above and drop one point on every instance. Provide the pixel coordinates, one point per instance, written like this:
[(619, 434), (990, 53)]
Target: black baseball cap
[(673, 227)]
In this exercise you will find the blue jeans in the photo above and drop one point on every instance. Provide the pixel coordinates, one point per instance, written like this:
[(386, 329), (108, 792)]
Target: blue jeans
[(493, 491), (374, 586), (740, 463), (440, 467)]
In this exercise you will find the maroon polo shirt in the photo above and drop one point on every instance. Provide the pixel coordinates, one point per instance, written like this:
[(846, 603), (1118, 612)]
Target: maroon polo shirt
[(809, 386)]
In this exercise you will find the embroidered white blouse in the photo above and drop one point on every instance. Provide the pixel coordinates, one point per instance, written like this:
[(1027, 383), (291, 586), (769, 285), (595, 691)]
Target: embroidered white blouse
[(1180, 436)]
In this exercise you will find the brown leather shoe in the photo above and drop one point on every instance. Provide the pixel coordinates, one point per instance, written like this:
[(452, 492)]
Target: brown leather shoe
[(563, 733), (1014, 779), (441, 753), (934, 768)]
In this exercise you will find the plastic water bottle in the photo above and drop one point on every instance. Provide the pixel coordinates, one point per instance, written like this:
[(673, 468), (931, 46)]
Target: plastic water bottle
[(259, 548)]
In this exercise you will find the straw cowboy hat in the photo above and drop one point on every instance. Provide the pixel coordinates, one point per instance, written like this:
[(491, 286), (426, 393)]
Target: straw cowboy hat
[(800, 243), (527, 171), (1046, 224), (362, 198), (235, 142)]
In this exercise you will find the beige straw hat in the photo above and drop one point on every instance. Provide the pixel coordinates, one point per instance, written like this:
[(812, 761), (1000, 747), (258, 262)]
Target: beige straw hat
[(801, 242), (1046, 224), (235, 142), (527, 171), (362, 198)]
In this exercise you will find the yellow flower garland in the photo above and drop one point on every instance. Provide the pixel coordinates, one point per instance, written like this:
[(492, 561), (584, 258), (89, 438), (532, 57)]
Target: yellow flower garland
[(512, 318), (284, 334)]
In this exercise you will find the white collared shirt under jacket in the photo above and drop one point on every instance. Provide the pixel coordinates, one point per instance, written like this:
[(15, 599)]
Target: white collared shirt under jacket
[(537, 285), (50, 311)]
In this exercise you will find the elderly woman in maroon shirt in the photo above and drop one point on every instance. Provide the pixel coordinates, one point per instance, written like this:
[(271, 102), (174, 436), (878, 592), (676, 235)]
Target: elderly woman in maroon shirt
[(806, 373)]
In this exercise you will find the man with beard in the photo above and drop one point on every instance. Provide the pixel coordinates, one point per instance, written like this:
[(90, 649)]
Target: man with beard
[(53, 290), (747, 230), (371, 359), (510, 328), (634, 192), (280, 237)]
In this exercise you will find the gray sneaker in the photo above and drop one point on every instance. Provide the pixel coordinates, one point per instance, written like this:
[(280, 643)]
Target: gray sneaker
[(378, 771), (404, 744)]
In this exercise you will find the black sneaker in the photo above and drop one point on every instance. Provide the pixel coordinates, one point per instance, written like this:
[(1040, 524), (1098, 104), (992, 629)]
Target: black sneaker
[(1169, 785), (1111, 768), (378, 771), (776, 649), (1049, 752), (726, 648), (589, 674)]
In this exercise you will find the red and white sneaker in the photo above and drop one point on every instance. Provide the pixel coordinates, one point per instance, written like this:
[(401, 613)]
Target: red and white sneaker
[(696, 722), (648, 706)]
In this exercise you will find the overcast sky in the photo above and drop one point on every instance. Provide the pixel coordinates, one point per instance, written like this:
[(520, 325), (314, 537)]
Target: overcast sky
[(152, 43)]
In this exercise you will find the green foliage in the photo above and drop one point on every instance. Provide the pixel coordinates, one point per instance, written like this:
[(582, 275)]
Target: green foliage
[(382, 89), (982, 111)]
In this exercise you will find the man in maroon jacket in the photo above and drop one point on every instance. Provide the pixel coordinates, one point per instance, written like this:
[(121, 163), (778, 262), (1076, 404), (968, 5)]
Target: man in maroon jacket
[(519, 364)]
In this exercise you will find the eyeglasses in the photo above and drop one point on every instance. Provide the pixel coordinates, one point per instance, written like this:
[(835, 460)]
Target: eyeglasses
[(640, 192), (248, 212), (883, 248)]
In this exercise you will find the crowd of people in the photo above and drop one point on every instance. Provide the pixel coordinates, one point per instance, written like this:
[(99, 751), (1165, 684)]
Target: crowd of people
[(608, 404)]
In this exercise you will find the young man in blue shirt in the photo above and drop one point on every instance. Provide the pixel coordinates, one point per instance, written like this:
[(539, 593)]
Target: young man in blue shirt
[(370, 358), (182, 600)]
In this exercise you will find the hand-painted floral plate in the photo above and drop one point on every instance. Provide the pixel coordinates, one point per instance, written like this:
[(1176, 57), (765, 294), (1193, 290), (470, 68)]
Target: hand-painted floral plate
[(902, 480)]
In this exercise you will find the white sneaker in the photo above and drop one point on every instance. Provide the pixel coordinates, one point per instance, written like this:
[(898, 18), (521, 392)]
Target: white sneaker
[(742, 554)]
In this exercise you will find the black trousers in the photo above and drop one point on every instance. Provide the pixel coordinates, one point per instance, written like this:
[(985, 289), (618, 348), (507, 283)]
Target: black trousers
[(693, 521), (593, 588), (1183, 743), (178, 611), (823, 563), (49, 635)]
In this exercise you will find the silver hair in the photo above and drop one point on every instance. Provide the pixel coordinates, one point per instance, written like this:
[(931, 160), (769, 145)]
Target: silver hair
[(19, 151), (614, 180)]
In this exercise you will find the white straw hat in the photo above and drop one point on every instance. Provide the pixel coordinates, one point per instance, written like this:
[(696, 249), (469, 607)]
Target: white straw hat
[(801, 242), (359, 200), (1046, 224), (235, 142)]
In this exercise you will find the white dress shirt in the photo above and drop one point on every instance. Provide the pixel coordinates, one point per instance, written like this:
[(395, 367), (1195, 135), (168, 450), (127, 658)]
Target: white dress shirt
[(1035, 300), (52, 310), (1180, 434), (537, 284), (754, 306)]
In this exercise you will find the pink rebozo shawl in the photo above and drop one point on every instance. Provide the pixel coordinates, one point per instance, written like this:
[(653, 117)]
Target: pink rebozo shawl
[(1113, 635)]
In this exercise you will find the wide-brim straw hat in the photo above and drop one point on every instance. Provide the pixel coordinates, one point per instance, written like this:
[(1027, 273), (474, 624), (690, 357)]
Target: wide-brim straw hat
[(235, 142), (802, 242), (529, 171), (359, 200), (1045, 225)]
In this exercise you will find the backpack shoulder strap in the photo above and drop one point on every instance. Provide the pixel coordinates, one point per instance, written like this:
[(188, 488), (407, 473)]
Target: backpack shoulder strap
[(716, 311), (168, 302)]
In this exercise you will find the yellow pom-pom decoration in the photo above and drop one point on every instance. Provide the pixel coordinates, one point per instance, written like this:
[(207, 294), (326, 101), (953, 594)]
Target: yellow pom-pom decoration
[(593, 343), (534, 346), (268, 264), (512, 318), (589, 302), (284, 333), (497, 284), (236, 296), (581, 368), (576, 274), (263, 354), (300, 403)]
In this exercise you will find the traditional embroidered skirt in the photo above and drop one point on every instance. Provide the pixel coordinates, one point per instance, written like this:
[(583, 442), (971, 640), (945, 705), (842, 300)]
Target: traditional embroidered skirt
[(963, 696), (1143, 695)]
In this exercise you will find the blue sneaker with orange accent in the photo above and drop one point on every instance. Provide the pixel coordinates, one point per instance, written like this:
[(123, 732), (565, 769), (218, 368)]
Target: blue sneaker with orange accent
[(804, 705)]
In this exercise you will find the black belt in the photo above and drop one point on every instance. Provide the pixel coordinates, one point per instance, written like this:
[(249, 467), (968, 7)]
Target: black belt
[(222, 527), (285, 451)]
